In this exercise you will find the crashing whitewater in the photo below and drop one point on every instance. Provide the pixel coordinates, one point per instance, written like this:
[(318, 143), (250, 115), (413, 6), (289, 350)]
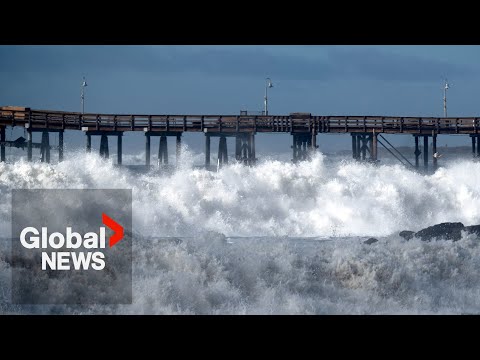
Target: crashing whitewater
[(278, 237)]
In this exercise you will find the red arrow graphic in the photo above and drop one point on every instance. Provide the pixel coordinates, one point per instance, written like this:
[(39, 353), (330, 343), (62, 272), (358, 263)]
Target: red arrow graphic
[(116, 227)]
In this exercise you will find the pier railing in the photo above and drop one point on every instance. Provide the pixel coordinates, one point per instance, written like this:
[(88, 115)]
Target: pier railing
[(17, 116)]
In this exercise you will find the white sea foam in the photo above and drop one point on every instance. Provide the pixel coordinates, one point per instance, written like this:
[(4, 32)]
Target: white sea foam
[(269, 203), (272, 199)]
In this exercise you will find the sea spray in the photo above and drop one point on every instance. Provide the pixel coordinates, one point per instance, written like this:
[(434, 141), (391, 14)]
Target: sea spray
[(312, 199), (278, 238)]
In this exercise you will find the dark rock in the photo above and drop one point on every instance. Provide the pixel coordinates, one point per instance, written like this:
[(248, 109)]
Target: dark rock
[(445, 231), (473, 229), (406, 234), (370, 241)]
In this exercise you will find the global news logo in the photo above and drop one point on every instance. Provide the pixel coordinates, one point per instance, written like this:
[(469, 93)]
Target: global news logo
[(71, 246), (88, 248)]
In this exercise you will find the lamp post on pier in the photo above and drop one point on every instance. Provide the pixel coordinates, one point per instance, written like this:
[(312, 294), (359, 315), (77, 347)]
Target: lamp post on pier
[(268, 84), (82, 96)]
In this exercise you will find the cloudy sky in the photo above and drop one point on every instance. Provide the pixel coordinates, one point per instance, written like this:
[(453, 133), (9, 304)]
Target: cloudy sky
[(324, 80)]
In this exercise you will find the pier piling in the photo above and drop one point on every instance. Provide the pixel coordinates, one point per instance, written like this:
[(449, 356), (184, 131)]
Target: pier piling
[(238, 147), (178, 149), (245, 148), (475, 144), (163, 151), (89, 143), (207, 150), (29, 144), (363, 143), (104, 152), (45, 147), (119, 149), (417, 153), (301, 142), (313, 143), (358, 147), (425, 152), (373, 147), (2, 147), (222, 150), (60, 146), (253, 158), (364, 147), (354, 146), (147, 149), (478, 146)]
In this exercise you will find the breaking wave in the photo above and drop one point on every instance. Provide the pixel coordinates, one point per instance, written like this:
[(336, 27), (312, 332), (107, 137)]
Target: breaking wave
[(279, 237)]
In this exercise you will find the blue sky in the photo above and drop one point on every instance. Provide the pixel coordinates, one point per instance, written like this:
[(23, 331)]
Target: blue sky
[(324, 80)]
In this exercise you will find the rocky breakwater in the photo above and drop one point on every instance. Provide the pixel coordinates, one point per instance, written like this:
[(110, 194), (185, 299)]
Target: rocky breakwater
[(444, 231)]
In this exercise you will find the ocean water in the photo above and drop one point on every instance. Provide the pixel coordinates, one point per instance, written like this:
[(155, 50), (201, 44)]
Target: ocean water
[(278, 238)]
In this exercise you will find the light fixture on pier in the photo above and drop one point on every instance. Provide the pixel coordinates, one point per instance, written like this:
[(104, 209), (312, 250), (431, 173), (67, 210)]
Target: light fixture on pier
[(84, 84), (446, 87), (268, 84)]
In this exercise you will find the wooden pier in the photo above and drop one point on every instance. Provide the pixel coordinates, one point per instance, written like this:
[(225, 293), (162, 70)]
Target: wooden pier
[(303, 127)]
